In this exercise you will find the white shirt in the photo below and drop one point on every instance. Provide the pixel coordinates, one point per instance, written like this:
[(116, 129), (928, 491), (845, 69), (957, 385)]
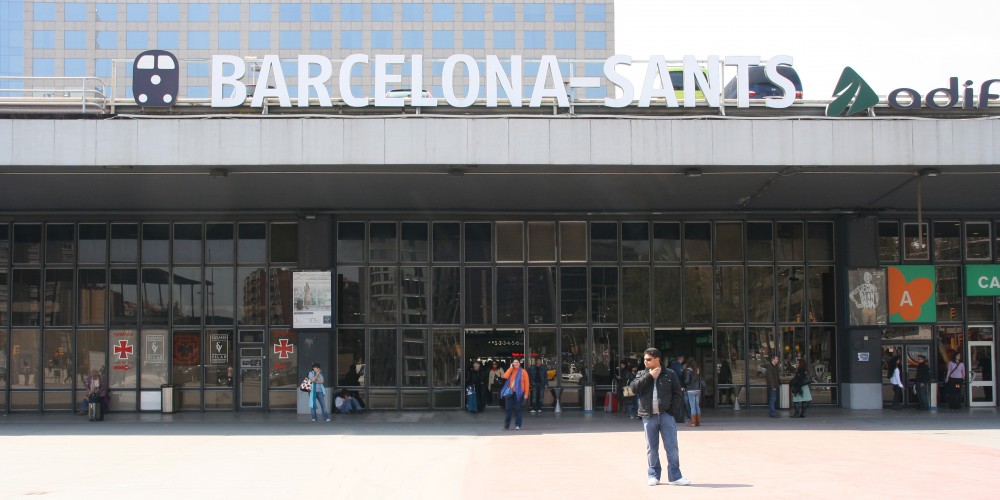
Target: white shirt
[(656, 399), (894, 379)]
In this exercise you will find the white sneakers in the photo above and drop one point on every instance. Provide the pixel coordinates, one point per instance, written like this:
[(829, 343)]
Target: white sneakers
[(683, 481)]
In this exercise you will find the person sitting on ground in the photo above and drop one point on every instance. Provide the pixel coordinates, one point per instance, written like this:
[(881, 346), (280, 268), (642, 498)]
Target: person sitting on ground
[(346, 403)]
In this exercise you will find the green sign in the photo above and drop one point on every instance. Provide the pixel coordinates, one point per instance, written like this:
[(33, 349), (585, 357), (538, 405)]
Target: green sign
[(982, 280), (851, 87), (911, 294)]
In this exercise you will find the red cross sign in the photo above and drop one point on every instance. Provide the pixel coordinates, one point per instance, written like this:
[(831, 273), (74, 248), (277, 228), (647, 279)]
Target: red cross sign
[(123, 349), (283, 348)]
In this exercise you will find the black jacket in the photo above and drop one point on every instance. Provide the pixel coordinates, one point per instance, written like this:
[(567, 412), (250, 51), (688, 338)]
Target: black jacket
[(923, 373), (668, 388), (773, 380)]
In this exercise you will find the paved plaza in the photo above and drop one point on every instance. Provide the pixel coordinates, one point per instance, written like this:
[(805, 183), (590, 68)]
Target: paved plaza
[(832, 453)]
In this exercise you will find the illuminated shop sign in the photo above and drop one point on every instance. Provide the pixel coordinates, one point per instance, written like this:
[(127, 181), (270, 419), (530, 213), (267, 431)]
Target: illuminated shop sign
[(316, 71)]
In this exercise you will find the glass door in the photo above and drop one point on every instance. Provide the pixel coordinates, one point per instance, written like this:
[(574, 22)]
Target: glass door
[(982, 370), (910, 363)]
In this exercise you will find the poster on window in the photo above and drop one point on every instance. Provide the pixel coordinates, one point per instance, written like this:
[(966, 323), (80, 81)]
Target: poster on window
[(867, 297), (312, 300)]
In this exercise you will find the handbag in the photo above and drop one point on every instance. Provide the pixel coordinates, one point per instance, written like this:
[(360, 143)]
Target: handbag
[(306, 385), (627, 392)]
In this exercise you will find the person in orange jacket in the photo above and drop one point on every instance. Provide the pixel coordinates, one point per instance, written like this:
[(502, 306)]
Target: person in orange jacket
[(516, 391)]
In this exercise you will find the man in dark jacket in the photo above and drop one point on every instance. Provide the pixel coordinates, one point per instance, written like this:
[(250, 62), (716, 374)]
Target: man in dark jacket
[(773, 384), (658, 392), (923, 382), (538, 375)]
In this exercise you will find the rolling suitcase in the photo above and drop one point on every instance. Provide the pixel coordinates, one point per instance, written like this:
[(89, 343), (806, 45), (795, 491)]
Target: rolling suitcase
[(471, 402), (94, 411)]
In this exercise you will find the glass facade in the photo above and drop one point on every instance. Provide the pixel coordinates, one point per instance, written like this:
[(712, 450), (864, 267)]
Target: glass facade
[(140, 304)]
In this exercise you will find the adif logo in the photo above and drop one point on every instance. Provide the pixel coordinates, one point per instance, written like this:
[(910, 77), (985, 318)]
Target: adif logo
[(851, 86), (155, 79)]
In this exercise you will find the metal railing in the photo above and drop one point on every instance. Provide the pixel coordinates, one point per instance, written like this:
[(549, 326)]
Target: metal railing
[(53, 94)]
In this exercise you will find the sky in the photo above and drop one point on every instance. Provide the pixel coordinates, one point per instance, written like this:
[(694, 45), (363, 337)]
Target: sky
[(917, 44)]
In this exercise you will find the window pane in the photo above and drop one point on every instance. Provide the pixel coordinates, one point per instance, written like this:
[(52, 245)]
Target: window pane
[(697, 241), (667, 241), (230, 13), (251, 283), (153, 345), (822, 294), (478, 295), (635, 295), (790, 241), (27, 243), (413, 290), (350, 12), (124, 297), (447, 358), (60, 244), (281, 297), (447, 299), (635, 241), (541, 295), (284, 242), (573, 241), (414, 358), (282, 358), (947, 241), (124, 243), (4, 292), (790, 285), (187, 293), (821, 241), (915, 241), (760, 288), (221, 298), (541, 241), (949, 293), (503, 12), (761, 345), (574, 356), (729, 294), (574, 294), (565, 13), (594, 13), (446, 241), (218, 359), (260, 12), (26, 298), (123, 353), (977, 240), (4, 243), (187, 243), (382, 241), (186, 347), (510, 241), (604, 241), (155, 296), (351, 357), (698, 294), (58, 356), (604, 358), (413, 12), (732, 363), (635, 340), (510, 295), (667, 295), (604, 294), (219, 243), (413, 244), (350, 241), (91, 351), (478, 242), (155, 243), (383, 358), (93, 243), (252, 240), (729, 241), (58, 297), (888, 242), (383, 302), (382, 12), (26, 344), (823, 354), (534, 12), (350, 295)]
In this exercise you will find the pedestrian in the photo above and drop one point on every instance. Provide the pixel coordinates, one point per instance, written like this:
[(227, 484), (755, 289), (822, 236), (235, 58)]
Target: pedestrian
[(93, 389), (317, 392), (695, 386), (630, 403), (955, 380), (659, 391), (494, 381), (345, 403), (474, 380), (923, 382), (773, 384), (515, 390), (897, 384), (801, 395), (538, 375)]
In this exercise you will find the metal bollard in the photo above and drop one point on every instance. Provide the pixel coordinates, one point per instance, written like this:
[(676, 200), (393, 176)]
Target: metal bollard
[(588, 399)]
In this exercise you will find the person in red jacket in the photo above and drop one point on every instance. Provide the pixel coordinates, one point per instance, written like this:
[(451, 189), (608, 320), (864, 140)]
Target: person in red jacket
[(516, 390)]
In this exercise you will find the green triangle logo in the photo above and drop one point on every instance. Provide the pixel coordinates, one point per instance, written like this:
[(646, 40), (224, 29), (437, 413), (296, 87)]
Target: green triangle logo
[(851, 86)]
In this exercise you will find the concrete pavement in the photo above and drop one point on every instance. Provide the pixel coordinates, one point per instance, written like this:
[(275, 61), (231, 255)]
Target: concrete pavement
[(832, 453)]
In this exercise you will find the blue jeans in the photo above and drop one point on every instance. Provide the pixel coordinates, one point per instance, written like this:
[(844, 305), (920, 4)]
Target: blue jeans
[(657, 426), (349, 405), (537, 393), (319, 401), (687, 406), (694, 402), (630, 406), (772, 401), (922, 389), (513, 403)]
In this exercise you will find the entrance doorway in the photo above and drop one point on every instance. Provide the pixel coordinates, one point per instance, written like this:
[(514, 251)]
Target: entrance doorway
[(251, 375), (909, 356), (982, 370), (695, 344), (493, 346)]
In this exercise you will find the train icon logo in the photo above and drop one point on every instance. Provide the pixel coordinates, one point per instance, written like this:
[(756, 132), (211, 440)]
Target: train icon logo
[(155, 79)]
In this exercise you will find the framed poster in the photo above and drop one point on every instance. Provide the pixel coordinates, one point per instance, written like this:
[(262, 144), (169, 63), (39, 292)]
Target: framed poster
[(867, 297), (312, 300)]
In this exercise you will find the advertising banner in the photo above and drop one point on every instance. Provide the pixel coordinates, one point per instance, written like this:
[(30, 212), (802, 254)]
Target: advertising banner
[(312, 299), (982, 280), (867, 297), (912, 294)]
